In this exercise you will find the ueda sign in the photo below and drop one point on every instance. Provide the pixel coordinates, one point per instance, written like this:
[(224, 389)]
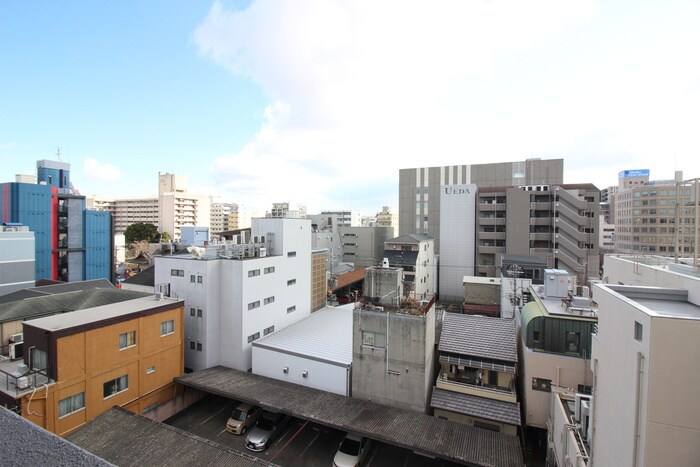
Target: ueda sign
[(449, 190)]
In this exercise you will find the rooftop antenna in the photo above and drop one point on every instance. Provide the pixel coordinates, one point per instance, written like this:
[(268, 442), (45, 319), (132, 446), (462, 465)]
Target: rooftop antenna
[(58, 154)]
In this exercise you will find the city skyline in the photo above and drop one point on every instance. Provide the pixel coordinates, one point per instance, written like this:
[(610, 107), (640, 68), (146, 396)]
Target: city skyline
[(321, 104)]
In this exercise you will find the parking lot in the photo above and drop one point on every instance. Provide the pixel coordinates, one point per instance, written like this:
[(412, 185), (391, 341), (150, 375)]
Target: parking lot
[(300, 444)]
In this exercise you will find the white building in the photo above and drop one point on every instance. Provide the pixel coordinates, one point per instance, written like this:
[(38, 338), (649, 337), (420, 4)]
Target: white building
[(415, 254), (315, 352), (223, 216), (237, 293), (17, 256), (645, 410), (457, 239), (350, 218)]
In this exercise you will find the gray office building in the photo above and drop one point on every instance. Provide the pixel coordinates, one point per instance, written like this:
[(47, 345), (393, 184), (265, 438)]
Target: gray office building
[(419, 188)]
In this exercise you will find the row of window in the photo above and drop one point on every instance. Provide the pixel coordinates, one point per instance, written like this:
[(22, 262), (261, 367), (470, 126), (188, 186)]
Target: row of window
[(128, 339), (256, 336)]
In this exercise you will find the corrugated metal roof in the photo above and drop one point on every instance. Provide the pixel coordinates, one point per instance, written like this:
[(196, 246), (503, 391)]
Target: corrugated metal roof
[(348, 278), (127, 439), (24, 443), (325, 335), (44, 305), (479, 336), (408, 429), (475, 406)]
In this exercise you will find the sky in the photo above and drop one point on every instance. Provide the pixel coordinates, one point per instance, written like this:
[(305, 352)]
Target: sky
[(320, 103)]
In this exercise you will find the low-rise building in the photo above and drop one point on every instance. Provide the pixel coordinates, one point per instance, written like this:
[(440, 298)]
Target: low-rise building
[(414, 253), (476, 382), (82, 363), (235, 293), (16, 258), (393, 354)]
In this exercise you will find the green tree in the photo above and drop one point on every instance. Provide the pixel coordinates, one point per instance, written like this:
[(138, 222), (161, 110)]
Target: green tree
[(165, 237), (140, 231)]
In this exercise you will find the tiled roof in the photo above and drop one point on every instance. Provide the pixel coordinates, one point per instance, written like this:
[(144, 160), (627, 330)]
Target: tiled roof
[(475, 406), (416, 431), (127, 439), (349, 278), (24, 443), (56, 288), (145, 277), (479, 336)]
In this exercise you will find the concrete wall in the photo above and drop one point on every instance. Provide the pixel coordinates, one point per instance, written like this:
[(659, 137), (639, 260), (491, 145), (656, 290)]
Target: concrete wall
[(398, 372), (468, 420), (16, 260)]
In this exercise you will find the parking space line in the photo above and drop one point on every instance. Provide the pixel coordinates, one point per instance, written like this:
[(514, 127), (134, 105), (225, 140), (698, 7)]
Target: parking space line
[(318, 433), (214, 415), (290, 440)]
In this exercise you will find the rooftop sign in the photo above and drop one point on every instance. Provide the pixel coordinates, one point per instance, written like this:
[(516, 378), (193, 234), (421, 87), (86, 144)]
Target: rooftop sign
[(633, 173)]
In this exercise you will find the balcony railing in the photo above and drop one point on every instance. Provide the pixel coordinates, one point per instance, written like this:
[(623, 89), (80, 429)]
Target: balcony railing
[(483, 390)]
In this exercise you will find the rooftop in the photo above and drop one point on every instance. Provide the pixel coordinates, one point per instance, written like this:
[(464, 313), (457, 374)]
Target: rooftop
[(125, 439), (479, 336), (659, 301), (414, 238), (24, 443), (482, 407), (405, 428), (326, 335), (100, 313)]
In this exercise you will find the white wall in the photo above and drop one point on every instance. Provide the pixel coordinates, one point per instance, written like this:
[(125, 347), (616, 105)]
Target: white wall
[(457, 239), (320, 375)]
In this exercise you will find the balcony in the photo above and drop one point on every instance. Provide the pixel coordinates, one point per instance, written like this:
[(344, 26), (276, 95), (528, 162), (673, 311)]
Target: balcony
[(484, 390)]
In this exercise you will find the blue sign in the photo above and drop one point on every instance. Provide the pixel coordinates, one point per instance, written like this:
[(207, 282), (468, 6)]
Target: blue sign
[(633, 173)]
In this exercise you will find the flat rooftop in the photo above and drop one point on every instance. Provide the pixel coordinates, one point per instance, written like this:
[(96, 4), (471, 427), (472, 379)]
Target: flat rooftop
[(100, 313), (660, 301)]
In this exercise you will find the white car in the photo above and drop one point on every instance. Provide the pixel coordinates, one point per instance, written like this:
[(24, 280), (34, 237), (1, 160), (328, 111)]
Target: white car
[(352, 451)]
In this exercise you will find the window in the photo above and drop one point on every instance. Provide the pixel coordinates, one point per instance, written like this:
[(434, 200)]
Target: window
[(126, 340), (115, 386), (71, 404), (269, 300), (291, 254), (199, 346), (638, 331), (167, 327), (150, 369), (177, 272), (373, 339), (199, 312), (269, 270), (199, 279), (253, 305), (192, 278), (253, 337), (38, 359), (291, 309), (192, 345), (572, 342), (291, 281), (541, 384), (254, 272), (191, 311), (269, 330)]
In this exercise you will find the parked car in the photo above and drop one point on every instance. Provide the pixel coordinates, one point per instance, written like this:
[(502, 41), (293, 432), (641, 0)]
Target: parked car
[(266, 430), (243, 417), (352, 451)]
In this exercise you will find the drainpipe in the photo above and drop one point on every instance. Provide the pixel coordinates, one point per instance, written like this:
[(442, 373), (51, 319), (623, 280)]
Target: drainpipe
[(637, 406)]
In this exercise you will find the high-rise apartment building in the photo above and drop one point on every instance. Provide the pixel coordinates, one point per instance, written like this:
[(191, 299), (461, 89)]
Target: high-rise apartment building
[(419, 188), (655, 217), (224, 216), (557, 223), (71, 242)]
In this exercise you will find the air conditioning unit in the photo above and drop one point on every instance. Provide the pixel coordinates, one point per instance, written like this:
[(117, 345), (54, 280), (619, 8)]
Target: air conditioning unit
[(22, 382), (16, 350), (17, 337)]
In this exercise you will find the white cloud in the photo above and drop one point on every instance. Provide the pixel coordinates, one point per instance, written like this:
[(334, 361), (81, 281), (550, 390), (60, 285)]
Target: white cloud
[(98, 171), (360, 89)]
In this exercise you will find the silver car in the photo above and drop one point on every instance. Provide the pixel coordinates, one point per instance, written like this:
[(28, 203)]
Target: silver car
[(266, 430)]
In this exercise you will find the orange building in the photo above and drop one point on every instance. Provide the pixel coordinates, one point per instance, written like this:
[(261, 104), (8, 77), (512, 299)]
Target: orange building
[(125, 354)]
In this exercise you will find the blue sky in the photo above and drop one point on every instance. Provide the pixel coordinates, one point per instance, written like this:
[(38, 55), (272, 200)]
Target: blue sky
[(322, 102)]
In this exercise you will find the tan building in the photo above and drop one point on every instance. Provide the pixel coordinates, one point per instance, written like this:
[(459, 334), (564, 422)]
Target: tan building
[(386, 219), (82, 363), (319, 284)]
